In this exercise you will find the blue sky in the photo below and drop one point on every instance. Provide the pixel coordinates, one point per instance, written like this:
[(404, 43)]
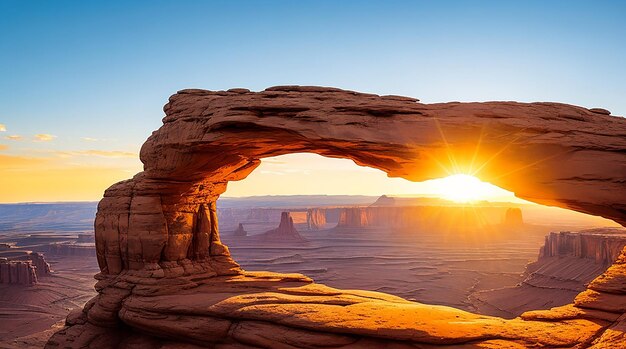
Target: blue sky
[(96, 74)]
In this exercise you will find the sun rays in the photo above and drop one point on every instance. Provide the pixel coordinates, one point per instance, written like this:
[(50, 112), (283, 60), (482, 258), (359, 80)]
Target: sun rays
[(473, 166)]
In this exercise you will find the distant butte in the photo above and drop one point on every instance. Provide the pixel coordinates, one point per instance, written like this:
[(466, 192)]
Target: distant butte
[(167, 281), (240, 231), (285, 231)]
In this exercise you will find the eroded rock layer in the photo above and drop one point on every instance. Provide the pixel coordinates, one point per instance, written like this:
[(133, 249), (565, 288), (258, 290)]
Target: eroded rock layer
[(166, 274), (602, 245), (17, 272)]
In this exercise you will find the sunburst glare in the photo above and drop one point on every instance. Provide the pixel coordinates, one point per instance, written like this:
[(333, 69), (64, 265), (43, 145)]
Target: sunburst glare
[(466, 188)]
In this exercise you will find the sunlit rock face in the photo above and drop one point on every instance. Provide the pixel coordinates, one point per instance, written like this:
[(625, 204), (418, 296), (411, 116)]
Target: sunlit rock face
[(316, 218), (599, 245), (166, 274), (545, 152)]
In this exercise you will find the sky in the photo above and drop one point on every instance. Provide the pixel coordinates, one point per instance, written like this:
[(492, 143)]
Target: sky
[(83, 83)]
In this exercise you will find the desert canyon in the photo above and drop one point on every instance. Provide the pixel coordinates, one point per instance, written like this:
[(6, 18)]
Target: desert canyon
[(167, 278)]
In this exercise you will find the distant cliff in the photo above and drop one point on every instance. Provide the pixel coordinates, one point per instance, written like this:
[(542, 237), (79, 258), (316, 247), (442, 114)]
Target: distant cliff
[(19, 267), (70, 249), (17, 272), (567, 262), (316, 218), (439, 217), (601, 245)]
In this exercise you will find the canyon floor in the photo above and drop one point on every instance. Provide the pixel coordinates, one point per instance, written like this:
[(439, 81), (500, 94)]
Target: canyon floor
[(467, 272)]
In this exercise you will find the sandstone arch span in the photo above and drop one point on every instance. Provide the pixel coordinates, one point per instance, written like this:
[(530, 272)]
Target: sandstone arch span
[(549, 153), (167, 281)]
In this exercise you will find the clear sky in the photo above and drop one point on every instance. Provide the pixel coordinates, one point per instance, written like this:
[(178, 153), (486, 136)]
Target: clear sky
[(82, 83)]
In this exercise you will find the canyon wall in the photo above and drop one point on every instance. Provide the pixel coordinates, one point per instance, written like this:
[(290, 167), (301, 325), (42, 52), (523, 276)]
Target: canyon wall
[(425, 217), (567, 263), (17, 272), (21, 266), (316, 218), (42, 268), (604, 248)]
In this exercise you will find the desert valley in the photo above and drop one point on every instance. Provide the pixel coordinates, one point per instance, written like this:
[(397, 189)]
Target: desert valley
[(491, 258)]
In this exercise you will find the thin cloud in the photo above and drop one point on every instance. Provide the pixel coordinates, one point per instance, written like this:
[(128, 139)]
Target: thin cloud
[(89, 139), (3, 147), (100, 153), (110, 154), (44, 137), (277, 173), (3, 128), (14, 137)]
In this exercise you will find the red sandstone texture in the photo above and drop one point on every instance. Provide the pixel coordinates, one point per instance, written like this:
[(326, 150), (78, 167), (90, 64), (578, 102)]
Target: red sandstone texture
[(166, 275), (23, 268), (600, 245), (316, 218), (17, 272)]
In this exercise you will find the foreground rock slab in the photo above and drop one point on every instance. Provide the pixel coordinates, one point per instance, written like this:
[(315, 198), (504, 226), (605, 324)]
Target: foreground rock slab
[(267, 310)]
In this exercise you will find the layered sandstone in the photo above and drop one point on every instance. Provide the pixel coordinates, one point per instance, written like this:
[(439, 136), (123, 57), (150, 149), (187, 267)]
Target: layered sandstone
[(42, 268), (604, 246), (17, 272), (567, 263), (167, 279), (427, 217), (209, 138), (316, 218), (20, 266)]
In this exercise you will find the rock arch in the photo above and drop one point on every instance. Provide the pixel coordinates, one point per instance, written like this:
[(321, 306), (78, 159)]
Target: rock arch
[(165, 273), (549, 153)]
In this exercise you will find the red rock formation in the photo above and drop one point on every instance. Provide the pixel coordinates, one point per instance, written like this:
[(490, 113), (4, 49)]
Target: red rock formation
[(425, 217), (17, 272), (353, 217), (158, 279), (42, 268), (316, 218), (35, 261), (210, 138), (286, 231), (602, 246), (240, 231)]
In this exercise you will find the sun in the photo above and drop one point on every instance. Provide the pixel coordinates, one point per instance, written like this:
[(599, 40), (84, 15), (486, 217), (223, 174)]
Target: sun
[(466, 188)]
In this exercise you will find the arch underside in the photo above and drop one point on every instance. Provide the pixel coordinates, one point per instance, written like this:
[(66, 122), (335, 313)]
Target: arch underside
[(162, 224)]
